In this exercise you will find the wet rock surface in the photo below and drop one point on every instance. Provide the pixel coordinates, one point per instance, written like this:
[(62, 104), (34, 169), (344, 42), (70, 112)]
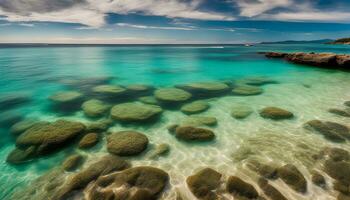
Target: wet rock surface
[(135, 112), (126, 143), (189, 133), (204, 183), (275, 113)]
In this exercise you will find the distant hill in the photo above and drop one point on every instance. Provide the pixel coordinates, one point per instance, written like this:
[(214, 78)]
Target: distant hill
[(300, 42), (341, 41)]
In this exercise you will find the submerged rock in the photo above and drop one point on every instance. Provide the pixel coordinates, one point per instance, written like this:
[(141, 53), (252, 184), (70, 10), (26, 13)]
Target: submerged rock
[(195, 107), (136, 183), (88, 141), (13, 100), (339, 170), (276, 113), (241, 111), (126, 143), (109, 91), (50, 136), (139, 89), (22, 126), (160, 150), (336, 154), (99, 126), (293, 178), (246, 90), (172, 95), (256, 81), (135, 112), (66, 100), (95, 108), (318, 179), (206, 89), (18, 156), (149, 100), (199, 120), (79, 180), (189, 133), (9, 118), (73, 162), (204, 183), (336, 111), (270, 191), (332, 131), (238, 187), (264, 170)]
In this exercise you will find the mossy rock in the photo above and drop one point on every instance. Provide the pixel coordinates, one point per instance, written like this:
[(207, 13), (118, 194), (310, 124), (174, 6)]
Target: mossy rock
[(66, 100), (140, 182), (199, 120), (73, 162), (195, 107), (50, 135), (80, 180), (172, 95), (135, 112), (331, 131), (275, 113), (204, 183), (270, 191), (18, 156), (95, 108), (149, 100), (99, 126), (189, 133), (293, 178), (22, 126), (89, 140), (139, 89), (109, 90), (237, 186), (206, 89), (241, 111), (126, 143), (246, 90)]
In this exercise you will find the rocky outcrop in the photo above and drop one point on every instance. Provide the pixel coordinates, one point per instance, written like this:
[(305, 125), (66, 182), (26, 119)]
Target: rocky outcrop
[(325, 60)]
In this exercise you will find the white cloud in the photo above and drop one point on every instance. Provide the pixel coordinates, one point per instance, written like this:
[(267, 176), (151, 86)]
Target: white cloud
[(154, 27), (251, 8), (26, 24), (311, 16), (93, 13)]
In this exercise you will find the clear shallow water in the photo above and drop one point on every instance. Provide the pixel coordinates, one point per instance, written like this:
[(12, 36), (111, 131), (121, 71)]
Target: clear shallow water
[(39, 72)]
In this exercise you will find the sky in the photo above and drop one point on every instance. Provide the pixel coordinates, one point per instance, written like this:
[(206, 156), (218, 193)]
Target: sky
[(171, 21)]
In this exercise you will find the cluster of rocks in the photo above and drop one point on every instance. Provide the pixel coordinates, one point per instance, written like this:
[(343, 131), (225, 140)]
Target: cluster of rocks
[(326, 60)]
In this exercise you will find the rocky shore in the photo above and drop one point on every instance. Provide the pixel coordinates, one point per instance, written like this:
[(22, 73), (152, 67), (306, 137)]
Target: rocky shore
[(324, 60)]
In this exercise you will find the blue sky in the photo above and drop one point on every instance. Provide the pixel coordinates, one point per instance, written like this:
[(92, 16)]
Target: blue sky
[(171, 21)]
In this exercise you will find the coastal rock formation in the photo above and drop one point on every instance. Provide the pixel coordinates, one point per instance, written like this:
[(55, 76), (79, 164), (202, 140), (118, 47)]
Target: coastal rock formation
[(195, 107), (135, 112), (276, 113), (89, 140), (206, 89), (172, 95), (95, 108), (189, 133), (326, 60), (138, 183), (204, 183), (126, 143)]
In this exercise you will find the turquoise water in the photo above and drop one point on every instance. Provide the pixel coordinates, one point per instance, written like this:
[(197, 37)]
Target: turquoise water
[(38, 72)]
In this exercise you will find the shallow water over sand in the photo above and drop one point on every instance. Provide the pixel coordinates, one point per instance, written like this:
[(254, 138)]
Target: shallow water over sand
[(306, 92)]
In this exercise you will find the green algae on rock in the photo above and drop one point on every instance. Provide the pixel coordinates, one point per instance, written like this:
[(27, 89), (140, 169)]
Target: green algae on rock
[(22, 126), (109, 91), (204, 183), (275, 113), (293, 178), (246, 90), (199, 120), (241, 111), (172, 95), (135, 112), (66, 100), (237, 186), (99, 125), (148, 100), (73, 162), (126, 143), (206, 89), (18, 156), (195, 107), (89, 140), (189, 133), (95, 108)]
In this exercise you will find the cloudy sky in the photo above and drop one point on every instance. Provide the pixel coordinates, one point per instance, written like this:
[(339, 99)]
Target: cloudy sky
[(171, 21)]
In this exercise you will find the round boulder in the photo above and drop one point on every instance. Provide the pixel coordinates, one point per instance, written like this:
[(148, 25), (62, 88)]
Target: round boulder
[(237, 186), (276, 113), (189, 133), (241, 111), (195, 107), (204, 183), (247, 90), (126, 143), (172, 95), (95, 108), (135, 112)]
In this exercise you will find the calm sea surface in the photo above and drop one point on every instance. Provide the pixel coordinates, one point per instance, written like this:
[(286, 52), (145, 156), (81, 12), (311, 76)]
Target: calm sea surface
[(36, 73)]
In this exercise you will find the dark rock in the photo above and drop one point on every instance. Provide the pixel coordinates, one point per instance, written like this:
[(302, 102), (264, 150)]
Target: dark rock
[(340, 171), (172, 128), (126, 143), (276, 113), (18, 156), (336, 154), (293, 178), (270, 191), (204, 183), (189, 133), (332, 131), (336, 111), (88, 141), (343, 197), (135, 112), (275, 54), (262, 169), (343, 61), (341, 187), (237, 186), (73, 162), (318, 179), (347, 103)]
